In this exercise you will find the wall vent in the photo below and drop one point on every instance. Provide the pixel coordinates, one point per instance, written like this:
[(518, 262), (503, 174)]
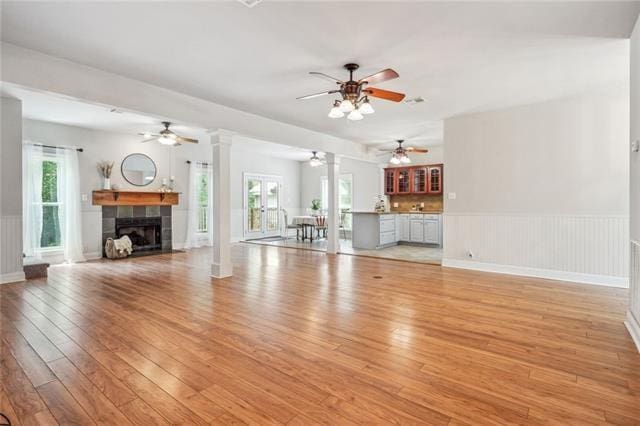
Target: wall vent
[(250, 3)]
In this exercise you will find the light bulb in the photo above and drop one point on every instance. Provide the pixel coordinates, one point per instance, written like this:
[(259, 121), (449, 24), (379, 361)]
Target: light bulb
[(355, 115), (336, 112), (405, 159), (166, 141), (315, 162), (347, 106), (394, 160), (366, 107)]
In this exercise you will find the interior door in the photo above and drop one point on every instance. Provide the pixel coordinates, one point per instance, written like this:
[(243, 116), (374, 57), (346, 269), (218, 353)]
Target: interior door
[(262, 202)]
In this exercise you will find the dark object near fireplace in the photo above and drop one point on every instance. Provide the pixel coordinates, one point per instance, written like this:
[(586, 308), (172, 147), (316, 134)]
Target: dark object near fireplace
[(145, 233)]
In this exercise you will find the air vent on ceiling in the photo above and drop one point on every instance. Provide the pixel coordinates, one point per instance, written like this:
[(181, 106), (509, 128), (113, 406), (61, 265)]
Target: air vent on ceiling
[(413, 101), (250, 3)]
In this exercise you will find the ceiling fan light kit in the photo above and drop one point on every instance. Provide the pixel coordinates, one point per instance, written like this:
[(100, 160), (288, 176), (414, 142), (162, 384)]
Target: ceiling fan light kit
[(355, 94), (166, 137), (315, 161), (400, 154)]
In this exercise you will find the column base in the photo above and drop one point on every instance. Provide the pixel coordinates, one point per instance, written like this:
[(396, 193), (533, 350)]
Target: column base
[(221, 270)]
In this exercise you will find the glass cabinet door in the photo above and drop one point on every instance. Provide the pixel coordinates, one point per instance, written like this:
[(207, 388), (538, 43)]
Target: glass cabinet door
[(404, 181), (419, 180), (435, 180), (389, 181)]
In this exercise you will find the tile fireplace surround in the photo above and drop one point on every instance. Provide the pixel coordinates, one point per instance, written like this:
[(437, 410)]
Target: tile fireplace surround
[(148, 216)]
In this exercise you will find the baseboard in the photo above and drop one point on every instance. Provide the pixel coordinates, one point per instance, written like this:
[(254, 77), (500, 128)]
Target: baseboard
[(93, 255), (12, 277), (633, 325), (603, 280)]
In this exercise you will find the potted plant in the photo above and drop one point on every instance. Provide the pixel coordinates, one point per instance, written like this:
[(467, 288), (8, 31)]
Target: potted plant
[(105, 168), (315, 206)]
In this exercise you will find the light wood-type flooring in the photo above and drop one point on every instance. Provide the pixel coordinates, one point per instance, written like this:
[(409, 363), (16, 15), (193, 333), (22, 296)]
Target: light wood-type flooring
[(299, 337)]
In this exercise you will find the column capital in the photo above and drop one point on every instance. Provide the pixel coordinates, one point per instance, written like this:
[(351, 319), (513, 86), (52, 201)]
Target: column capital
[(331, 158), (221, 136)]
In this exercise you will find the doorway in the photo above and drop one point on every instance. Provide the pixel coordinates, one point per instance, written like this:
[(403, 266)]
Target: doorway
[(262, 201)]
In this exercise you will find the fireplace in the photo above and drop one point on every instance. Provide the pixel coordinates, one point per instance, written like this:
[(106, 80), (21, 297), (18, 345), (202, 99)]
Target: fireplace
[(145, 233), (148, 227)]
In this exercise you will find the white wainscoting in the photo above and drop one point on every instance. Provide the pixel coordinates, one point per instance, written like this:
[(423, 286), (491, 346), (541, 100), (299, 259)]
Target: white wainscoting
[(590, 249), (633, 315), (11, 249)]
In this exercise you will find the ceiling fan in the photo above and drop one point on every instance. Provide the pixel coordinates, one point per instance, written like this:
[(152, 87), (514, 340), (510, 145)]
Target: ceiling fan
[(355, 94), (315, 160), (166, 136), (399, 154)]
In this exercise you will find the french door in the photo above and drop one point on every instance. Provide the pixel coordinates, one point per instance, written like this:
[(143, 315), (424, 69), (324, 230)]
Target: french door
[(262, 197)]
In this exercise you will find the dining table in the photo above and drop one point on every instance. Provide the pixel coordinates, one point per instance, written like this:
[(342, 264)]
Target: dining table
[(307, 223)]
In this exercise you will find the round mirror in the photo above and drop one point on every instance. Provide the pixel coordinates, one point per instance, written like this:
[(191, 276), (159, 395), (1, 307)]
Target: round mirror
[(138, 169)]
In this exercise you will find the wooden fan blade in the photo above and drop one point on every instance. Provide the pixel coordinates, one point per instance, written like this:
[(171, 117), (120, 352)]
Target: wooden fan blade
[(419, 150), (326, 77), (315, 95), (380, 76), (384, 94), (183, 139)]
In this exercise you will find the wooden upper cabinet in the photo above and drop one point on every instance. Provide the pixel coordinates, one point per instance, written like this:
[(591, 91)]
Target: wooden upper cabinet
[(413, 180), (435, 180), (389, 181), (419, 180), (404, 181)]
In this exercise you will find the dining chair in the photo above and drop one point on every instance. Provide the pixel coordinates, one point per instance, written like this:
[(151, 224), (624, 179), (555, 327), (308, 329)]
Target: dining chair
[(290, 226), (321, 225)]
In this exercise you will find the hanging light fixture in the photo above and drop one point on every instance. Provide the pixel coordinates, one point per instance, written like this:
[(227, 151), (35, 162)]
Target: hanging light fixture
[(355, 115), (405, 159), (347, 106), (394, 159), (167, 140), (315, 161), (365, 106), (336, 112)]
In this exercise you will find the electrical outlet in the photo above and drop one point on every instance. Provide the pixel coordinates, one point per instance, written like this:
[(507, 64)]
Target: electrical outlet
[(85, 197), (470, 254), (452, 195)]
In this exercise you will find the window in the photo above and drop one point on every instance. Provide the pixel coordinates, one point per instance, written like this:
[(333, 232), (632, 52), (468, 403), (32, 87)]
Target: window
[(50, 237), (203, 200), (345, 196)]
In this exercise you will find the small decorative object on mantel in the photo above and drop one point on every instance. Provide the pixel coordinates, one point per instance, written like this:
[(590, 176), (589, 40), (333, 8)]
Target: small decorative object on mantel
[(164, 187), (105, 168), (172, 182)]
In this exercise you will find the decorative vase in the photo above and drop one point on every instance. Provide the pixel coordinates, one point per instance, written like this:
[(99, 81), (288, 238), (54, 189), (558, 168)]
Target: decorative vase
[(106, 183)]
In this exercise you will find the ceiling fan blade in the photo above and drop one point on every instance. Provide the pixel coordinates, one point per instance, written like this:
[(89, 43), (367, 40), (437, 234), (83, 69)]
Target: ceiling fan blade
[(147, 134), (419, 150), (315, 95), (384, 94), (150, 139), (326, 77), (183, 139), (380, 76)]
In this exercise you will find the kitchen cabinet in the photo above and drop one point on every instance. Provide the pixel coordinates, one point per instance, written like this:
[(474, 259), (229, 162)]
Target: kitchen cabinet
[(375, 231), (416, 231), (431, 231), (404, 231), (424, 179), (434, 180)]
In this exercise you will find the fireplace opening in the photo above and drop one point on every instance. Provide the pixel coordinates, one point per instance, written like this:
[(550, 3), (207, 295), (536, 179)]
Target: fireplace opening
[(145, 233)]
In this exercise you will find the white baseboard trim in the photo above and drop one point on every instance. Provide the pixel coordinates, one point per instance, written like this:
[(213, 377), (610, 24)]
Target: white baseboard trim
[(93, 255), (633, 325), (604, 280), (12, 277)]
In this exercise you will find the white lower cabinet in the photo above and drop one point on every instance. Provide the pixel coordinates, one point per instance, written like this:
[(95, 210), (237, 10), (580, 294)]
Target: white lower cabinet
[(432, 231), (416, 231), (404, 230)]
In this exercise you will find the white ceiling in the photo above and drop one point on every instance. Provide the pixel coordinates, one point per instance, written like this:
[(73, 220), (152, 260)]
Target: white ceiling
[(461, 57)]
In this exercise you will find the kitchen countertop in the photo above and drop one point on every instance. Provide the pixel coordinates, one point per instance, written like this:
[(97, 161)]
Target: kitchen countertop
[(398, 212)]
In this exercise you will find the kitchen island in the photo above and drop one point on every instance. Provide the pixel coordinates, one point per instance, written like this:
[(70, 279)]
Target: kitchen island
[(373, 230)]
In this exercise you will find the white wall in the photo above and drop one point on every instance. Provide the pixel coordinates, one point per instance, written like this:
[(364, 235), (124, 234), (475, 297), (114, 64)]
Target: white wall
[(366, 182), (633, 316), (245, 160), (541, 189), (10, 190)]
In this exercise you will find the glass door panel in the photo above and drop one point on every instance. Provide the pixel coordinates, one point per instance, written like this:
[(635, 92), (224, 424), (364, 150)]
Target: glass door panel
[(262, 205), (404, 184), (254, 205), (273, 206)]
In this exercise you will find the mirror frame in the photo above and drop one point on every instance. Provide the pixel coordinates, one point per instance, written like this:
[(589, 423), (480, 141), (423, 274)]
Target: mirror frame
[(155, 167)]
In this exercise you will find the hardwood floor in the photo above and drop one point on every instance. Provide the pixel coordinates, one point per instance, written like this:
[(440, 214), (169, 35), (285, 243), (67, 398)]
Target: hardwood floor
[(302, 338)]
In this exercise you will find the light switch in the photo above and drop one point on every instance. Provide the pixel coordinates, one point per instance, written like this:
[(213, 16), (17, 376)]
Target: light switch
[(84, 197), (395, 205), (452, 195)]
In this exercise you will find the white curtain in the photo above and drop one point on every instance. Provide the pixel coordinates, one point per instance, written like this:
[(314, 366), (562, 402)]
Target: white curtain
[(31, 199), (195, 238), (69, 213)]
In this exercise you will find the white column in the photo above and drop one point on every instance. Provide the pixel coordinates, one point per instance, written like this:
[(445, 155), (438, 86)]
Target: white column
[(11, 191), (221, 265), (333, 215)]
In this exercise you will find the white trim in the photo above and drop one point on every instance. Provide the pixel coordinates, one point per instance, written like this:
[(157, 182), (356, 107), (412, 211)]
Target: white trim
[(633, 325), (12, 277), (603, 280), (93, 255)]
